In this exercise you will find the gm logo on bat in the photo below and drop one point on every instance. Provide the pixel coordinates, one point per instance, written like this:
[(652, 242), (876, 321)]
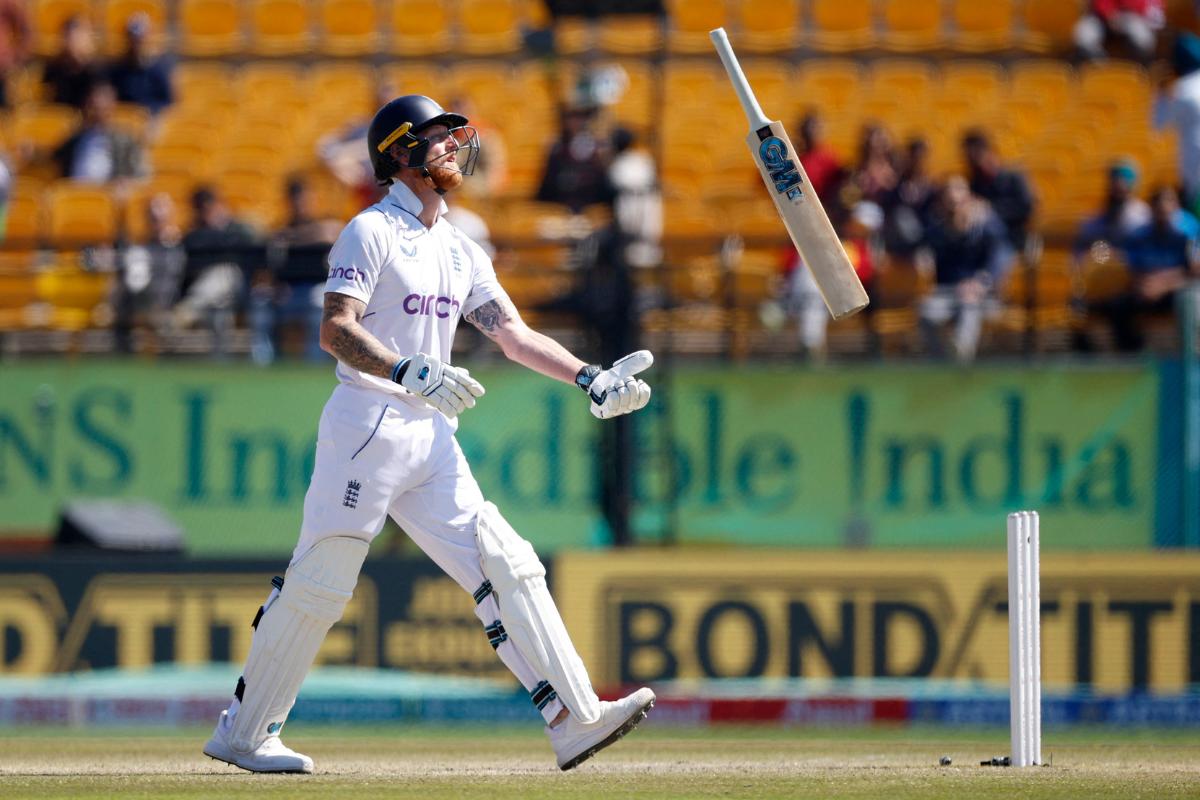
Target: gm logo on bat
[(773, 153)]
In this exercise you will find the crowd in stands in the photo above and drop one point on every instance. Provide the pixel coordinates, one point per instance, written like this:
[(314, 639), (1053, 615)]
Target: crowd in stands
[(961, 237)]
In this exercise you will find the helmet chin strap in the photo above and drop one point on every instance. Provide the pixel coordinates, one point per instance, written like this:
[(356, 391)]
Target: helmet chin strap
[(428, 176)]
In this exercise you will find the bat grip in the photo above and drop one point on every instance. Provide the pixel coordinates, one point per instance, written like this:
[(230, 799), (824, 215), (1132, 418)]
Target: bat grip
[(741, 86)]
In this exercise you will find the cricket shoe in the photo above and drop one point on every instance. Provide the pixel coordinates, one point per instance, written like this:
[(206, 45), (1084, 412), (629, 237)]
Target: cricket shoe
[(575, 742), (270, 756)]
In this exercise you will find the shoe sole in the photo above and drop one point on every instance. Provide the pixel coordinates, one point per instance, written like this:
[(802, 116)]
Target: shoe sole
[(258, 771), (625, 728)]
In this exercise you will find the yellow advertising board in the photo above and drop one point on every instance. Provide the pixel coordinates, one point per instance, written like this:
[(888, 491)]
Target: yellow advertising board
[(1110, 622)]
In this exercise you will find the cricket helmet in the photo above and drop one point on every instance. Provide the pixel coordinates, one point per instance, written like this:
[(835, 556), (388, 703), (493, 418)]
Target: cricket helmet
[(401, 121)]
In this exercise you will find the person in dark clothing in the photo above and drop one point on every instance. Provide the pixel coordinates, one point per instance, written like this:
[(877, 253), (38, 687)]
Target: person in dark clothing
[(1006, 190), (294, 288), (909, 208), (100, 152), (150, 273), (576, 171), (69, 75), (971, 255), (138, 76)]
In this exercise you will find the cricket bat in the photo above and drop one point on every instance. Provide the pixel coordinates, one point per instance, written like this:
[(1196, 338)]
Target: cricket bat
[(787, 183)]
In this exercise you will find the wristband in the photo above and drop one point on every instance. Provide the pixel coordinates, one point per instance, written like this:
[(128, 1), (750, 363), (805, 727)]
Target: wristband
[(400, 369), (586, 375)]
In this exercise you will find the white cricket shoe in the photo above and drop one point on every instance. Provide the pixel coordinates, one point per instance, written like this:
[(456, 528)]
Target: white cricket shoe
[(575, 742), (270, 756)]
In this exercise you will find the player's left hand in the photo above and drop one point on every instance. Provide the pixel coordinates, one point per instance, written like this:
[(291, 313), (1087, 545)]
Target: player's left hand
[(616, 391)]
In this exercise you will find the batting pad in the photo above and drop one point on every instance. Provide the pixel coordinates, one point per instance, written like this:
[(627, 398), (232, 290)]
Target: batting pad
[(529, 615), (315, 592)]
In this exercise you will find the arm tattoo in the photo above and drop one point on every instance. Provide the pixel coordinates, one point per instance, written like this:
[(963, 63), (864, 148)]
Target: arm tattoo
[(350, 342), (493, 315)]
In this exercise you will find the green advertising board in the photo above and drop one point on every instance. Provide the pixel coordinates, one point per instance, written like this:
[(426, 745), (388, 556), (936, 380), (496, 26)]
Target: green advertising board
[(873, 456)]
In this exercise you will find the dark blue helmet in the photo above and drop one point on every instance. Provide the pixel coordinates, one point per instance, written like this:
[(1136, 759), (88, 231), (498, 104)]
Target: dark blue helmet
[(401, 121)]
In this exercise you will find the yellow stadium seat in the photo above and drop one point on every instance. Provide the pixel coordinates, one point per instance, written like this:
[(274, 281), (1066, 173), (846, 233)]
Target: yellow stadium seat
[(912, 25), (1044, 81), (201, 85), (415, 77), (209, 27), (829, 85), (629, 34), (79, 215), (117, 14), (43, 127), (690, 84), (767, 26), (253, 194), (488, 27), (77, 298), (774, 85), (46, 18), (348, 88), (981, 25), (349, 27), (574, 35), (1048, 24), (23, 222), (905, 80), (185, 157), (280, 27), (18, 294), (841, 25), (265, 87), (132, 119), (420, 27), (689, 22), (978, 82), (1126, 83)]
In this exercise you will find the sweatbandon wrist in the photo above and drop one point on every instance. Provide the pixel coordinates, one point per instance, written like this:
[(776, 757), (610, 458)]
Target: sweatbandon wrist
[(585, 376), (400, 369)]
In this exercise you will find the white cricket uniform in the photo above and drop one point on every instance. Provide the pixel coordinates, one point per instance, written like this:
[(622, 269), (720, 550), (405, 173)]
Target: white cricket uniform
[(380, 449)]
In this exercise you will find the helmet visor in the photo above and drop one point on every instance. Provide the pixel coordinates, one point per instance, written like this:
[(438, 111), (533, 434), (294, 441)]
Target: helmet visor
[(463, 153)]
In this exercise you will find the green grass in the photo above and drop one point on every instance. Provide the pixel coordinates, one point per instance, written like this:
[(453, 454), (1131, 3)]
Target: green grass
[(655, 762)]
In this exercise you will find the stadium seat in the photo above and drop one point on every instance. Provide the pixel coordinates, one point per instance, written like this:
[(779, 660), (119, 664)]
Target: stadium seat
[(265, 87), (79, 215), (46, 18), (977, 81), (1126, 83), (689, 21), (421, 28), (905, 80), (344, 88), (829, 84), (18, 294), (774, 85), (24, 218), (42, 126), (209, 27), (1048, 24), (414, 78), (1047, 82), (117, 14), (349, 27), (982, 25), (280, 27), (913, 25), (200, 85), (841, 25), (132, 119), (574, 35), (630, 34), (488, 27), (187, 157), (77, 299), (767, 26), (691, 84)]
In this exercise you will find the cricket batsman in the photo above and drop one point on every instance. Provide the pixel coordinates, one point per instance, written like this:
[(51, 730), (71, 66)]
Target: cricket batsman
[(400, 278)]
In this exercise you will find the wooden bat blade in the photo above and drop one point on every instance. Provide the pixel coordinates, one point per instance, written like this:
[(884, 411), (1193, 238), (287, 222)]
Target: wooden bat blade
[(806, 220)]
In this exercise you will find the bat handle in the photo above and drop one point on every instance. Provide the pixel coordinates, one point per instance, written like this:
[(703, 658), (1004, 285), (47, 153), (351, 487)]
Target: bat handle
[(741, 86)]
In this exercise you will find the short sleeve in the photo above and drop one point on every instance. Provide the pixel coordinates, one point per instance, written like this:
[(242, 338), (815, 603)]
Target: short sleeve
[(484, 284), (356, 258)]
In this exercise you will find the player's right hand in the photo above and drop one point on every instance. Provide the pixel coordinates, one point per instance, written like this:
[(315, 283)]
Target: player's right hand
[(449, 389)]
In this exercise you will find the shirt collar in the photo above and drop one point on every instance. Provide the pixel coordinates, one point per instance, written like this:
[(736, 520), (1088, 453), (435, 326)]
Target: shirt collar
[(403, 196)]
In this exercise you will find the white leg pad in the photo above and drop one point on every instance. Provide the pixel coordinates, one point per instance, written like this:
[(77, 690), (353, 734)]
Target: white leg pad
[(529, 614), (315, 592)]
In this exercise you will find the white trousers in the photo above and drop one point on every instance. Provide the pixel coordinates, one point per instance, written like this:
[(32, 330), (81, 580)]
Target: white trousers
[(378, 456)]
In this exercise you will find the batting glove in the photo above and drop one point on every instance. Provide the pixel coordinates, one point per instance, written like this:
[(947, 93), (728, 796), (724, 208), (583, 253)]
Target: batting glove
[(450, 390), (615, 391)]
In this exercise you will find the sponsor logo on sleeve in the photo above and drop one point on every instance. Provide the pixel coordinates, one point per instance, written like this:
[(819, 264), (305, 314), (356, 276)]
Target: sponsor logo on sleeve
[(352, 274)]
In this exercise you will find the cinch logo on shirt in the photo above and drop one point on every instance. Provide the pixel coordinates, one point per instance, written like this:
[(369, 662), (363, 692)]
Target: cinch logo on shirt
[(349, 273), (426, 305)]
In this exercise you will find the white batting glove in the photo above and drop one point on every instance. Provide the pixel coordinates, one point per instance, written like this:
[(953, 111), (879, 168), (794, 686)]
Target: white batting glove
[(616, 391), (450, 390)]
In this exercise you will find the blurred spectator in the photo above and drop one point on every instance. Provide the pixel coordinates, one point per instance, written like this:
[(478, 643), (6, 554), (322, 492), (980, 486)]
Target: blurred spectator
[(637, 207), (99, 152), (219, 251), (138, 76), (1179, 106), (909, 208), (820, 162), (70, 73), (1162, 257), (344, 153), (576, 169), (14, 42), (150, 273), (860, 238), (1007, 190), (971, 255), (1135, 22), (877, 172), (295, 287), (1123, 212)]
